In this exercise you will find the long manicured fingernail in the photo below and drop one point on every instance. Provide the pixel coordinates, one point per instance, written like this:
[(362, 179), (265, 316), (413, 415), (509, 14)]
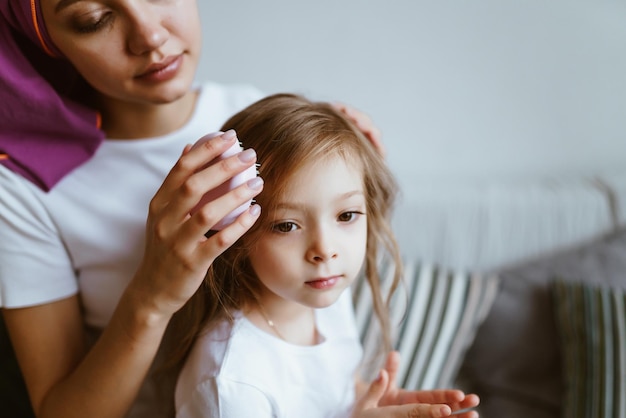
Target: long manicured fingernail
[(228, 135), (255, 210), (255, 183), (247, 155)]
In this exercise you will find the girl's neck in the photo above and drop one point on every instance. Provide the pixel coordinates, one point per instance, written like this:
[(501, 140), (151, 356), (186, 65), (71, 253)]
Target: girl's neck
[(124, 120), (290, 322)]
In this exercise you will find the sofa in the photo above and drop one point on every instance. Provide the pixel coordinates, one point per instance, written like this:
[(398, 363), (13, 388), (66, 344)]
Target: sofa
[(550, 340), (546, 338), (524, 363)]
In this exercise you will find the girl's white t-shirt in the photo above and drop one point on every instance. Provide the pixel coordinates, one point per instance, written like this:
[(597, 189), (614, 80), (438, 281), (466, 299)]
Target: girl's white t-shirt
[(88, 233), (237, 370)]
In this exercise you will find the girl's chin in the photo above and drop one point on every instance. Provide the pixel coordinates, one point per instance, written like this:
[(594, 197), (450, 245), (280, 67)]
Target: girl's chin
[(326, 300)]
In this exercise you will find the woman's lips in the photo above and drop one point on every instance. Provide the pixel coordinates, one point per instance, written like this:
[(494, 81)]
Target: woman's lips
[(323, 283), (163, 71)]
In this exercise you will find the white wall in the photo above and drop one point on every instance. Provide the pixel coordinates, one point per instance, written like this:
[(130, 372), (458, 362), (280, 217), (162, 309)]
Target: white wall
[(467, 89), (495, 113)]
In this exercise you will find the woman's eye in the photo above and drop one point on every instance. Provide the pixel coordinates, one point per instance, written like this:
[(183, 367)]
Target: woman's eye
[(94, 24), (284, 227)]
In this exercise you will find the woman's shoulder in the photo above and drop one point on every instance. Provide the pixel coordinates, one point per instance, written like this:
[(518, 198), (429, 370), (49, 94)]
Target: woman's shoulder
[(21, 199), (36, 267)]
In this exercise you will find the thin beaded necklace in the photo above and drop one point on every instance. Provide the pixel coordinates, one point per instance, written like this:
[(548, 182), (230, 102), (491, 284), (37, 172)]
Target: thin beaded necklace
[(272, 325), (270, 322)]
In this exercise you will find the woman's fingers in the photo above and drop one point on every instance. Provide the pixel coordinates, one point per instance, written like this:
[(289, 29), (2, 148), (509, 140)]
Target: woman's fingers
[(365, 124), (223, 239), (190, 162), (196, 181), (212, 212), (205, 181), (177, 253)]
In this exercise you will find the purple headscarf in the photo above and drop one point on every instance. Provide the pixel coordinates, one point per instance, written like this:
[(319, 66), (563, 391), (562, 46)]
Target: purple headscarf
[(44, 134)]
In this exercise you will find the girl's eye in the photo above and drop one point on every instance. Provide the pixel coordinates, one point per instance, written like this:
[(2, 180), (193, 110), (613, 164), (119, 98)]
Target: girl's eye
[(284, 227), (348, 216)]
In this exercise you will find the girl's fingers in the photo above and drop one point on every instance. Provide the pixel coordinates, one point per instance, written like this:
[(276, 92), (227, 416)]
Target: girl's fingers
[(374, 393), (423, 410), (470, 401), (447, 396), (392, 365), (468, 414)]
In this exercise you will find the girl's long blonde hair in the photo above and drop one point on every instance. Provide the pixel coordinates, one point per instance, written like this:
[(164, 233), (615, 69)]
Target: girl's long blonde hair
[(287, 131)]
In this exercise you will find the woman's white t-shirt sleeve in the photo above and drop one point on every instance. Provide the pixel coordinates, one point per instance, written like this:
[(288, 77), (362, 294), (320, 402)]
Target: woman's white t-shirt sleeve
[(34, 264)]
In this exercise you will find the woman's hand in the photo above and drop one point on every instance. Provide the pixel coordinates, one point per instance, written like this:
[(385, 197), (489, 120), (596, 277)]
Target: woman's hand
[(384, 399), (365, 124), (177, 253)]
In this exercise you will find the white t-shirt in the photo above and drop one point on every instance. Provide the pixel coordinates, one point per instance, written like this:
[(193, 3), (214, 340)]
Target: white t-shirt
[(239, 370), (88, 232)]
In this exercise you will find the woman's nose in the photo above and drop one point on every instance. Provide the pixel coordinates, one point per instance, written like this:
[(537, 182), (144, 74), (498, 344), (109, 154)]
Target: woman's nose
[(147, 32)]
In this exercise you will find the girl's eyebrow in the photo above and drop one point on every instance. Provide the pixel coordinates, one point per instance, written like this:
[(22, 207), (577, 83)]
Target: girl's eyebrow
[(300, 206), (350, 194)]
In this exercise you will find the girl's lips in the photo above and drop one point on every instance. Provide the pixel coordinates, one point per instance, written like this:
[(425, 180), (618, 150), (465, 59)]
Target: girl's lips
[(163, 71), (324, 283)]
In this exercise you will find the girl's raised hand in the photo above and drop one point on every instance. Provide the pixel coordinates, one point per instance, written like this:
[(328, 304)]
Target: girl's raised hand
[(368, 406), (384, 397), (177, 252)]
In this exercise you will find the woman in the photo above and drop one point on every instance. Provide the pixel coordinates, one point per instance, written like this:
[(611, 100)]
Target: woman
[(73, 211)]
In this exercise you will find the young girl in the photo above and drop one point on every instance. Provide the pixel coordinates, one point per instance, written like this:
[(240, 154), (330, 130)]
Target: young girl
[(273, 321)]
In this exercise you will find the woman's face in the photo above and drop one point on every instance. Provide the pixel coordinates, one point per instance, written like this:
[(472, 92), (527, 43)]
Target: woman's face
[(139, 51)]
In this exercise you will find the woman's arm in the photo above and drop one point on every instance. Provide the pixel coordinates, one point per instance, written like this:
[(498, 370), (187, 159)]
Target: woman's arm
[(64, 380)]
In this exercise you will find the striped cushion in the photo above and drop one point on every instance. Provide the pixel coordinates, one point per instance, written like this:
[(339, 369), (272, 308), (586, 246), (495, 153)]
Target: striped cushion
[(436, 316), (592, 324)]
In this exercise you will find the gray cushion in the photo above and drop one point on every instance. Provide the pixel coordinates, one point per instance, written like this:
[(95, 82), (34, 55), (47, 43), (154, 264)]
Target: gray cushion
[(591, 321), (515, 362)]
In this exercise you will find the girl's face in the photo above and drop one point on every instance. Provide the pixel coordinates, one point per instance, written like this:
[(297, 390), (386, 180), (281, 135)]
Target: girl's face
[(318, 237), (143, 51)]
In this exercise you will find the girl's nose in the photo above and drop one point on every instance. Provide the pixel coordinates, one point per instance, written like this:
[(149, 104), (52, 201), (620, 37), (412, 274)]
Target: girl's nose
[(147, 32), (321, 248)]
